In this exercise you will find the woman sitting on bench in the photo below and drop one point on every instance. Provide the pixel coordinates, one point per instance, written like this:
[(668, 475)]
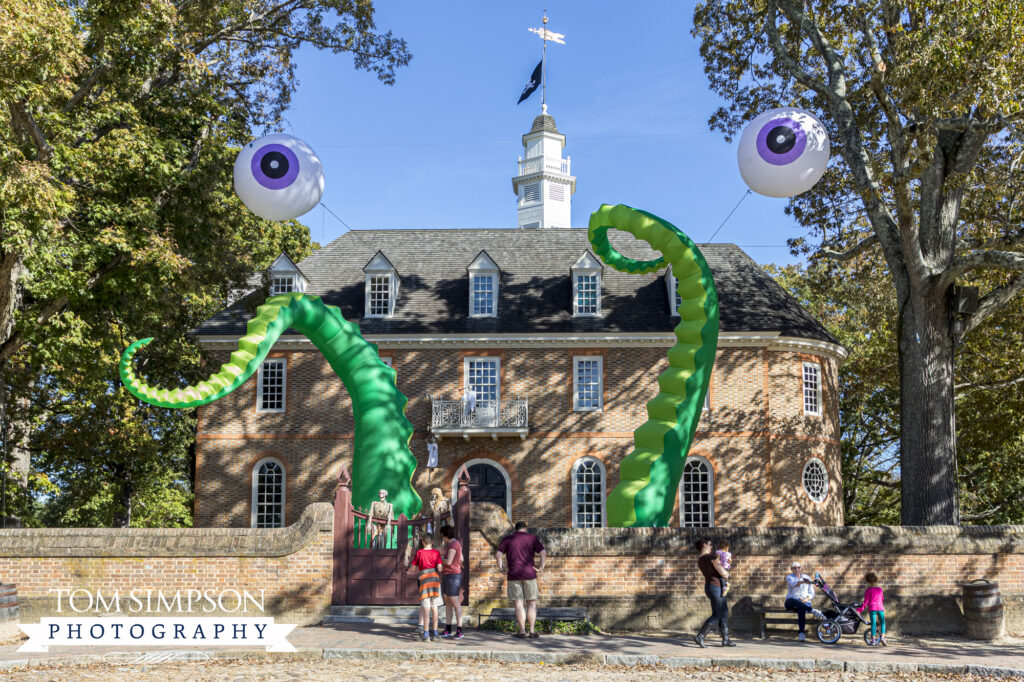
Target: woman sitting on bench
[(799, 597)]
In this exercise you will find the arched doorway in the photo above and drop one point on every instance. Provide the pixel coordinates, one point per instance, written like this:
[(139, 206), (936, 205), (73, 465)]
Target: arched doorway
[(488, 482)]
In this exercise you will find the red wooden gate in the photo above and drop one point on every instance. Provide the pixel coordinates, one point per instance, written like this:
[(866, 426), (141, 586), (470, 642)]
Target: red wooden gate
[(367, 575)]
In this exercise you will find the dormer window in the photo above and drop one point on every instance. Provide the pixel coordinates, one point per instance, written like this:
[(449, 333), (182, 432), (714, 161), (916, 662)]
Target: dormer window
[(285, 276), (674, 299), (282, 284), (381, 287), (483, 287), (586, 286)]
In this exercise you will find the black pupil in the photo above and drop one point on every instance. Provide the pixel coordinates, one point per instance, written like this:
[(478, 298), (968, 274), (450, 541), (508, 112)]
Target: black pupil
[(781, 139), (274, 165)]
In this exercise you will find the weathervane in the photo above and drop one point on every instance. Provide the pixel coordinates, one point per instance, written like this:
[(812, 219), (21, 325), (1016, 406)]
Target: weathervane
[(546, 35)]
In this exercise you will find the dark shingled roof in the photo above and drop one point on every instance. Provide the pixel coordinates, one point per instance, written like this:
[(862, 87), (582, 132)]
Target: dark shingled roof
[(535, 294)]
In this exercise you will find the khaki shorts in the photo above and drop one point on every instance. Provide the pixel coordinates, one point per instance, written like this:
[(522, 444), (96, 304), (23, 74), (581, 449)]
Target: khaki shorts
[(432, 603), (523, 589)]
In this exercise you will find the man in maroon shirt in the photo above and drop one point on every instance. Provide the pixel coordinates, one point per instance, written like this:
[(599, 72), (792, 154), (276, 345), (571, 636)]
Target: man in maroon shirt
[(519, 549)]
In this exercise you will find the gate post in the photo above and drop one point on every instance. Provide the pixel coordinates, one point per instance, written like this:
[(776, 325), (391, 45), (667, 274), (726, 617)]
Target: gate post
[(342, 537), (462, 504)]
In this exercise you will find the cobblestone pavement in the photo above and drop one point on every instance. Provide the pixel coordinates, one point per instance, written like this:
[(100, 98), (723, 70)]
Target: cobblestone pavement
[(405, 671), (484, 650)]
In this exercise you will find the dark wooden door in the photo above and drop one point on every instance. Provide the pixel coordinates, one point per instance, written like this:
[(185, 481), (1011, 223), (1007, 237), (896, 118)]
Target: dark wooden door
[(488, 485)]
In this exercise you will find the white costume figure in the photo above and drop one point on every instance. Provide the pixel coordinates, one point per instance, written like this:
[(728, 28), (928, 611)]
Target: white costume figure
[(470, 399), (432, 453), (381, 513), (439, 504)]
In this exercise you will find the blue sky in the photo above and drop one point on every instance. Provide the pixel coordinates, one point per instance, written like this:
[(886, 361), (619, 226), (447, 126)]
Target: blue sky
[(438, 148)]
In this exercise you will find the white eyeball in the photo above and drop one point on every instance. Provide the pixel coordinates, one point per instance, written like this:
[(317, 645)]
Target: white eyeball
[(783, 152), (279, 177)]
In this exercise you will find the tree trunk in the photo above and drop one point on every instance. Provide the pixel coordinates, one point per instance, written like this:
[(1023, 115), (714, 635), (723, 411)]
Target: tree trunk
[(927, 424), (123, 516)]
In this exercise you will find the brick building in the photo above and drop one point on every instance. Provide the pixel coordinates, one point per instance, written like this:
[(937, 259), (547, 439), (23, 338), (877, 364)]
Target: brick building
[(562, 355)]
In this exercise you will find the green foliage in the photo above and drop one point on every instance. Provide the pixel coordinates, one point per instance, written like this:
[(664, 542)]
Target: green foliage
[(121, 121), (925, 111), (856, 305)]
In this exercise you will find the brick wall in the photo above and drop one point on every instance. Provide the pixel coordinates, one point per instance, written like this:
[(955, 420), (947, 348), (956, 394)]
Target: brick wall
[(755, 435), (647, 578), (628, 578), (291, 565)]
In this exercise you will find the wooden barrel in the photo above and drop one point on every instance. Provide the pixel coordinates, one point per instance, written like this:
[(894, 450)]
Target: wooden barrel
[(983, 610), (8, 603)]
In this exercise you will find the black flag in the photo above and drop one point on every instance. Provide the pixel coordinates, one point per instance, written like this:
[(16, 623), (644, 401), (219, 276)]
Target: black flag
[(533, 84)]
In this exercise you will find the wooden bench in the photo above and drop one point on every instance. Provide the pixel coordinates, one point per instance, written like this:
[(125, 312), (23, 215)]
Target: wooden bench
[(549, 614), (767, 616)]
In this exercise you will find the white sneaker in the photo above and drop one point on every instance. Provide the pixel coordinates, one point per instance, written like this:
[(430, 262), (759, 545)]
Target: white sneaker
[(817, 614), (801, 637)]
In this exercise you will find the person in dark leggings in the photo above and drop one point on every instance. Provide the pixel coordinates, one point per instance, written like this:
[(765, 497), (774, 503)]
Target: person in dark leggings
[(713, 574)]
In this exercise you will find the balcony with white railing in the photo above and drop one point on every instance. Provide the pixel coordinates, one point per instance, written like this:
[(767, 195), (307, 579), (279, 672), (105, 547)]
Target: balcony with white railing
[(539, 164), (492, 418)]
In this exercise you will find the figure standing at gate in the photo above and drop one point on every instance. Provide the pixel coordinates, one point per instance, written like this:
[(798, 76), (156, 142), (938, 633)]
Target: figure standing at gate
[(382, 513)]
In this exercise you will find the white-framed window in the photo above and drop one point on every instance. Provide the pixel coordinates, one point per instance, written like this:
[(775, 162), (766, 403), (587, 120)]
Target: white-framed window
[(270, 385), (812, 388), (556, 192), (268, 487), (531, 193), (282, 284), (378, 296), (587, 294), (588, 484), (815, 480), (587, 383), (483, 375), (387, 360), (697, 493), (483, 291), (707, 400)]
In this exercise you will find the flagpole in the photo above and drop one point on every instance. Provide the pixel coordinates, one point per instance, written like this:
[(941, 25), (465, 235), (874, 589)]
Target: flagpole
[(544, 66)]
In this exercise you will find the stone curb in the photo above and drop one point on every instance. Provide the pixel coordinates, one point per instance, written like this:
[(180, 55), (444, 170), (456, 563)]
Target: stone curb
[(557, 658)]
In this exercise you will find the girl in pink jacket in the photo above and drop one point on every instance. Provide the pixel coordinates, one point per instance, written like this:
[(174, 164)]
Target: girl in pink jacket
[(873, 604)]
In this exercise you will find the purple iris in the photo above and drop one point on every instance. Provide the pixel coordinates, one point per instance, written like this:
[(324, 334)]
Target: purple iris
[(781, 141), (275, 166)]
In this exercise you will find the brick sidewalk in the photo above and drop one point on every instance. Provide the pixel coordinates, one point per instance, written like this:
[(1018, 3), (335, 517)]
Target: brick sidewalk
[(397, 642)]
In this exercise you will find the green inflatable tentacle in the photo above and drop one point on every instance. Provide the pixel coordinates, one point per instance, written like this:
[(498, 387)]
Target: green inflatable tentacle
[(380, 454), (649, 476)]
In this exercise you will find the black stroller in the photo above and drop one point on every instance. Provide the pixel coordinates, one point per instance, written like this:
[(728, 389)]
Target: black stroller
[(841, 619)]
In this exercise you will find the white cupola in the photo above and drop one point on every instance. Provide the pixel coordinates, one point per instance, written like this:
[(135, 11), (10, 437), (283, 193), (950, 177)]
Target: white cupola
[(544, 186)]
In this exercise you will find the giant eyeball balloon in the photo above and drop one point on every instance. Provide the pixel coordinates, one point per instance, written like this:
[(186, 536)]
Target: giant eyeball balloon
[(783, 152), (278, 177)]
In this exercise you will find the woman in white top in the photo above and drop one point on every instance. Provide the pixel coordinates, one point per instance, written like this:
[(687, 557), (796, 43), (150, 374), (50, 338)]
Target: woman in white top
[(799, 597)]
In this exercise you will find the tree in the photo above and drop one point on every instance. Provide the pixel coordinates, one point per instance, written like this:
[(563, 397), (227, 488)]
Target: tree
[(923, 101), (120, 123), (857, 306)]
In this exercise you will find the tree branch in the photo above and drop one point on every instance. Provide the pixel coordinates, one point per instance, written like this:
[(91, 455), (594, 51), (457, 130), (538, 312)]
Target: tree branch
[(86, 86), (992, 302), (976, 260), (967, 386), (17, 339), (857, 249), (23, 121)]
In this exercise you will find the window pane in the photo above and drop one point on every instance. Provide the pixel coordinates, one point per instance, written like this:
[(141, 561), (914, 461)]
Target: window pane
[(282, 284), (588, 384), (589, 495), (812, 389), (695, 494), (380, 295), (483, 378), (272, 385), (587, 290), (815, 480), (483, 295), (270, 496)]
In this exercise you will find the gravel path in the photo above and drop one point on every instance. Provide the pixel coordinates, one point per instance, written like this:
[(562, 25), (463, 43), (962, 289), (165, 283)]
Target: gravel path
[(404, 671)]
